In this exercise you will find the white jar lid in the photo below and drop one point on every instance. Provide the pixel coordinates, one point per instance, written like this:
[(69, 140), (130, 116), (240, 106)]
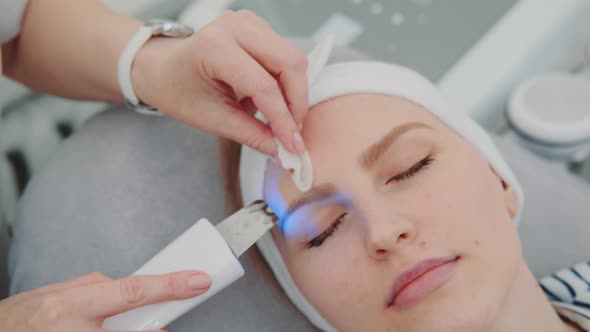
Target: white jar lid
[(552, 108)]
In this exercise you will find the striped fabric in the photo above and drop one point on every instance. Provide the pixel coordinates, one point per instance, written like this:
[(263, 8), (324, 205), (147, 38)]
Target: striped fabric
[(569, 292)]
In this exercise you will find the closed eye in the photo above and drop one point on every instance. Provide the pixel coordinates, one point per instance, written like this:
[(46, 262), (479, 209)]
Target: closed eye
[(411, 171), (318, 240)]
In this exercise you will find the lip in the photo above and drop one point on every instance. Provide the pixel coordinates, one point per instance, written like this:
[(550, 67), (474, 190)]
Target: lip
[(419, 281)]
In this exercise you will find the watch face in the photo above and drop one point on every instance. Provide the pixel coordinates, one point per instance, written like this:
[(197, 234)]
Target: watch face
[(169, 28)]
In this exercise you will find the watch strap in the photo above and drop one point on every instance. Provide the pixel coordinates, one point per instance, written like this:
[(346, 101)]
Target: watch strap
[(143, 34)]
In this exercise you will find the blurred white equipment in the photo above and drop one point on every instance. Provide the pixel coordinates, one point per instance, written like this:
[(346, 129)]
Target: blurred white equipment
[(551, 116)]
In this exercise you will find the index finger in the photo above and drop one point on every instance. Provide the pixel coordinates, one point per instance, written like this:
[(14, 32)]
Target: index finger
[(116, 296), (285, 61), (246, 75)]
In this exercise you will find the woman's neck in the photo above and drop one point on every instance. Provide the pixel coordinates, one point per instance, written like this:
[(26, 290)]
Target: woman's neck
[(527, 308)]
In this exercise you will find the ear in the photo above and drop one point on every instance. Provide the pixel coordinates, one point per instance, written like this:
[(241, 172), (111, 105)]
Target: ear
[(510, 201)]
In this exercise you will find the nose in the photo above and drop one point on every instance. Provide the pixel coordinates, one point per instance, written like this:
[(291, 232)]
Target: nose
[(387, 231)]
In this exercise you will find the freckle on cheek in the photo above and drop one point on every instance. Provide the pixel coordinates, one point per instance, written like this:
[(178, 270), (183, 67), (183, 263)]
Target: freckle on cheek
[(423, 244), (477, 243)]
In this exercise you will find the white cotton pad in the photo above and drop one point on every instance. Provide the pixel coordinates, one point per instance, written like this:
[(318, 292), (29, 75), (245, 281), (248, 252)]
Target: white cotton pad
[(298, 166)]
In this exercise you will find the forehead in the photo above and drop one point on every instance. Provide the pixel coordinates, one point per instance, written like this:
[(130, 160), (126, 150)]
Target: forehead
[(338, 130), (347, 125)]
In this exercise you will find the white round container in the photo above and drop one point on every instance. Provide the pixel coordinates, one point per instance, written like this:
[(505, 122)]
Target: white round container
[(551, 115)]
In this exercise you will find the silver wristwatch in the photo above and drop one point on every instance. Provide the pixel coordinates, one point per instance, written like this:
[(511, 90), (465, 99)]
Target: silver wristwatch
[(144, 33)]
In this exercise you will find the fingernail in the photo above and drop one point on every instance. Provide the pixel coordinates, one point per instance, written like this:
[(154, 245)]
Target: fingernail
[(298, 142), (199, 281)]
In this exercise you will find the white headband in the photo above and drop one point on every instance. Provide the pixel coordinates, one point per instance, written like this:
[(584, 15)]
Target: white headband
[(344, 78)]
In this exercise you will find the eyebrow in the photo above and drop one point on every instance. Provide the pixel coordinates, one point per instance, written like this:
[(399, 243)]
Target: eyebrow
[(375, 151), (367, 159)]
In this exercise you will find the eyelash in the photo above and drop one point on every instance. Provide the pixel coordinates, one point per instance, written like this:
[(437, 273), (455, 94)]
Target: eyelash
[(410, 172), (318, 240)]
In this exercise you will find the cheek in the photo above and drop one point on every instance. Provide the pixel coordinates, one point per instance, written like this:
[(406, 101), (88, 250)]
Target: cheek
[(335, 278), (476, 219), (466, 211), (466, 197), (330, 276), (467, 214)]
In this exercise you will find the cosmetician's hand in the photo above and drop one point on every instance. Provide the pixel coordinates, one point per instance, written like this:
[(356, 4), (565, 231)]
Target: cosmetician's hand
[(198, 80), (82, 304)]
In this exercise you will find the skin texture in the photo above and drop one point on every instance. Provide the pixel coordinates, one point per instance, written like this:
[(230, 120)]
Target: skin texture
[(454, 206)]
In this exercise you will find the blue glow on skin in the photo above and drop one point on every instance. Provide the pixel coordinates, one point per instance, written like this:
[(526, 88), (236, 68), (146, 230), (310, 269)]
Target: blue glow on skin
[(288, 228), (278, 204), (273, 196), (288, 224)]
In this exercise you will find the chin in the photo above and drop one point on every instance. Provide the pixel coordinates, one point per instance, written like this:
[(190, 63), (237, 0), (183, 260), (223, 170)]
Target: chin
[(466, 311), (465, 317)]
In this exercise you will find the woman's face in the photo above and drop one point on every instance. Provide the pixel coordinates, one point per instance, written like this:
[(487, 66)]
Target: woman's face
[(395, 189)]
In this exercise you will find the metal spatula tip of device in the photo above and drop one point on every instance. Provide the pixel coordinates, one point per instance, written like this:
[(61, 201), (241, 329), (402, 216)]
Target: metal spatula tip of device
[(243, 228)]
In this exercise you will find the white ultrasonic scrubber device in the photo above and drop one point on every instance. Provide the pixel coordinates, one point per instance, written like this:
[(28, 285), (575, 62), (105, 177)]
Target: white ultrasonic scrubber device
[(212, 249)]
